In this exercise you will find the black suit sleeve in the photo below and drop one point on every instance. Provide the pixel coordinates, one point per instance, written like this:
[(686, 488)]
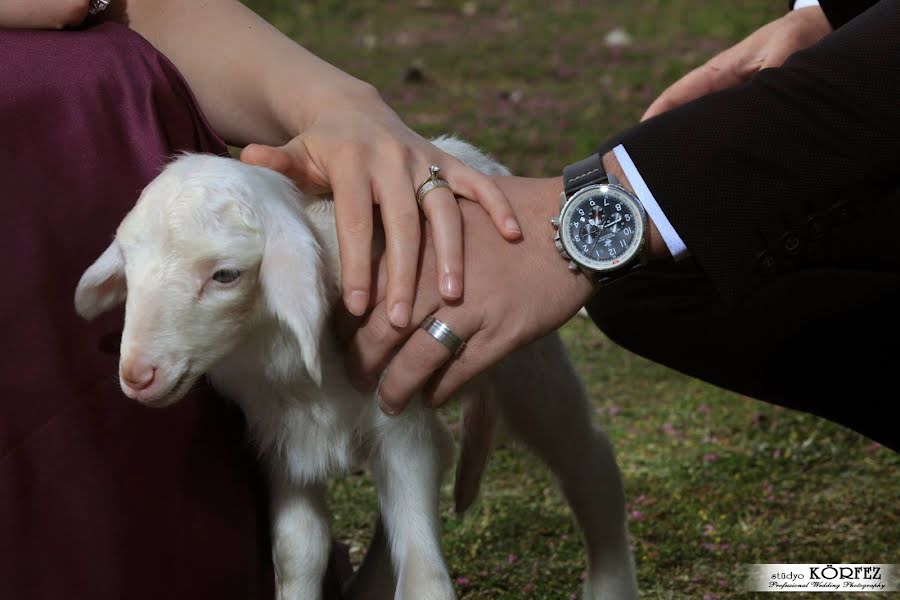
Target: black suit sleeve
[(841, 11), (752, 177)]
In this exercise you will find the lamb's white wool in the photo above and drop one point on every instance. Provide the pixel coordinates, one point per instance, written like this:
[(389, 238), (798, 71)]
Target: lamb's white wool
[(227, 270)]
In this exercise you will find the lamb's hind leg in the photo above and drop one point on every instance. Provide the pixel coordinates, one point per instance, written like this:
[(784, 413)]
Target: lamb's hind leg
[(410, 456), (543, 402), (301, 538)]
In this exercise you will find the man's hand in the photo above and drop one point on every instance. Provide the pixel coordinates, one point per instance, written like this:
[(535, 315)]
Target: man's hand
[(769, 46), (515, 292)]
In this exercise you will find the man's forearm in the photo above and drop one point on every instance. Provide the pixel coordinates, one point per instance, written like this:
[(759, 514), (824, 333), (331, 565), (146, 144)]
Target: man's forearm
[(745, 173), (252, 82)]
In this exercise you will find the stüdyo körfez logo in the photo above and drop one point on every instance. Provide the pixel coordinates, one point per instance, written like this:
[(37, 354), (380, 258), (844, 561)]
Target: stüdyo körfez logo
[(825, 577)]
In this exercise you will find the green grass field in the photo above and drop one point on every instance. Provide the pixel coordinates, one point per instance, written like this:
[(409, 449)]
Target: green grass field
[(713, 480)]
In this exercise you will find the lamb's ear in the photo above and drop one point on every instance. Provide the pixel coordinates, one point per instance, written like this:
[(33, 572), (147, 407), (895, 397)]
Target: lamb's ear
[(291, 278), (102, 286)]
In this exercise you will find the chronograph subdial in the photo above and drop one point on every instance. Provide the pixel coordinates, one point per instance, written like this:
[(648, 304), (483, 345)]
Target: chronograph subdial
[(589, 230)]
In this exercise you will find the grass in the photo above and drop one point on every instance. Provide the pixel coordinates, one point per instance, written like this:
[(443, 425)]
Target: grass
[(714, 480)]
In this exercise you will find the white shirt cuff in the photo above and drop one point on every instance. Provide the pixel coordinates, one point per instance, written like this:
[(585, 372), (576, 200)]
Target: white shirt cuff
[(805, 4), (673, 241)]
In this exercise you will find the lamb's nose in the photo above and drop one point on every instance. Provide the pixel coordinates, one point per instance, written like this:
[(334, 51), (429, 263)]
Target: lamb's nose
[(137, 375)]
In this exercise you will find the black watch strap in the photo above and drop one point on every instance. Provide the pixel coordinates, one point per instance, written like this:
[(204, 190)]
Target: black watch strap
[(585, 172), (606, 278)]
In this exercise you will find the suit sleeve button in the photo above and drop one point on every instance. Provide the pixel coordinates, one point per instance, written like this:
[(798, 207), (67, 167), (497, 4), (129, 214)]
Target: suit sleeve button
[(790, 241), (766, 264)]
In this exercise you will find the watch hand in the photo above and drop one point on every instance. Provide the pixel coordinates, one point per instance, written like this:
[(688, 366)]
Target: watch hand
[(593, 246), (611, 223)]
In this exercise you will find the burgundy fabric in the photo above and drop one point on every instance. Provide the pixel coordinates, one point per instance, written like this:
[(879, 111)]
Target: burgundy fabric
[(101, 498)]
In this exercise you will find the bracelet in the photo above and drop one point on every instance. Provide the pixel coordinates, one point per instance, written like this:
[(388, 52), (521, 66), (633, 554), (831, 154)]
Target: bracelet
[(98, 6)]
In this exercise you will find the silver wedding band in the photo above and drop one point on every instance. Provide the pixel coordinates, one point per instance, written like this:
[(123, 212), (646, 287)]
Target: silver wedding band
[(443, 334), (433, 182)]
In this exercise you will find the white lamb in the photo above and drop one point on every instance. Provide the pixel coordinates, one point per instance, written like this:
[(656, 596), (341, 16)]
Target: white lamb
[(226, 270)]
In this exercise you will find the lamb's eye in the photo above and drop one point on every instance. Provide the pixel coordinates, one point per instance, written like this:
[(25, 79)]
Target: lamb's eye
[(226, 275)]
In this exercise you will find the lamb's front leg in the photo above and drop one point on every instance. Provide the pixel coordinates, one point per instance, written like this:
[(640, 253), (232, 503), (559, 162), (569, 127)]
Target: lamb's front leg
[(301, 537), (410, 456)]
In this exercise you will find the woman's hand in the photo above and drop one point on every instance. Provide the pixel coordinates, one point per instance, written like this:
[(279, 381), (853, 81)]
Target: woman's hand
[(360, 149), (515, 293), (769, 46)]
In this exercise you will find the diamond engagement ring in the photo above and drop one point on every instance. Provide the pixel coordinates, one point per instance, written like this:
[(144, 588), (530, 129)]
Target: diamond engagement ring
[(433, 182), (443, 334)]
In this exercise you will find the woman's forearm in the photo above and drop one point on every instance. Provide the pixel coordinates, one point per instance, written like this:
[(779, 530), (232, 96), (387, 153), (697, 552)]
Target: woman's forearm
[(328, 132), (252, 82), (47, 14)]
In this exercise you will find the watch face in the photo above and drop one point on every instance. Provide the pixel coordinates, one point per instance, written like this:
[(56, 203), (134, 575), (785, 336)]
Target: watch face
[(602, 227)]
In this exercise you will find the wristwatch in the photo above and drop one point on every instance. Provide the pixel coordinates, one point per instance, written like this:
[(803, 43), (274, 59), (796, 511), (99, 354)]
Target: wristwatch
[(602, 228)]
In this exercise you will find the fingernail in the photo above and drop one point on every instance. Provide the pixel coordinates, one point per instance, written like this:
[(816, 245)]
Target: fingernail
[(513, 226), (451, 286), (356, 302), (400, 314), (385, 408)]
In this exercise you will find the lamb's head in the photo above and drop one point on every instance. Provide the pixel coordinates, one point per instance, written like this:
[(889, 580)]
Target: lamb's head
[(212, 249)]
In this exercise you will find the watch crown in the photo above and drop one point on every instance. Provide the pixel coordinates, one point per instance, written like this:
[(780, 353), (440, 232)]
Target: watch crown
[(573, 266), (558, 243), (555, 222)]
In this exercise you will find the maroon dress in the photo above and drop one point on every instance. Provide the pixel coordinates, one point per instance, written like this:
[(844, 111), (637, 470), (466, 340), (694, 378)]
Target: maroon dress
[(101, 498)]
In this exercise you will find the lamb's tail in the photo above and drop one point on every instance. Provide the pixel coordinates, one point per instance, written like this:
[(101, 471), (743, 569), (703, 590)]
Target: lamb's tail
[(478, 424)]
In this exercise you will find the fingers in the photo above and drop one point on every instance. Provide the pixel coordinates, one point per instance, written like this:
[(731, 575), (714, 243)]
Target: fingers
[(260, 155), (346, 324), (353, 211), (695, 84), (371, 348), (292, 160), (400, 216), (353, 220), (418, 359), (481, 188), (375, 339), (719, 73), (478, 355), (442, 211)]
